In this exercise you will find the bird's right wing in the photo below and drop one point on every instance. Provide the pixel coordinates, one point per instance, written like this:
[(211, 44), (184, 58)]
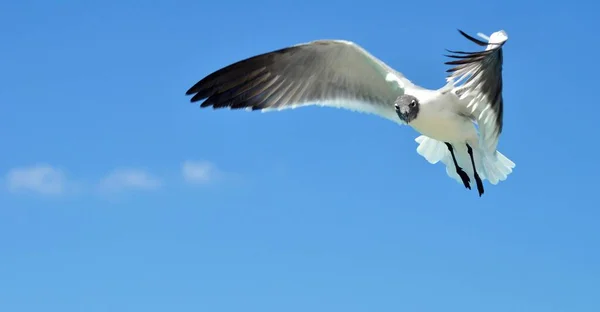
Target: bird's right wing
[(481, 91), (332, 73)]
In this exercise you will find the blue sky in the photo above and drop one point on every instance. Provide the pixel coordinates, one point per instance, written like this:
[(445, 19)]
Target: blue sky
[(119, 195)]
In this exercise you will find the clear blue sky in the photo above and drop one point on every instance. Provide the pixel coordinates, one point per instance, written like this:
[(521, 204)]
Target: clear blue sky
[(119, 195)]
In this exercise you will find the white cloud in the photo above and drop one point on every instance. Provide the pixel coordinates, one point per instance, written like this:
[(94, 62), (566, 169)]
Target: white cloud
[(124, 179), (43, 179), (199, 172)]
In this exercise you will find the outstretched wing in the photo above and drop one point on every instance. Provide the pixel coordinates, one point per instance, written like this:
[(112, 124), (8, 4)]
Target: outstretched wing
[(482, 90), (332, 73)]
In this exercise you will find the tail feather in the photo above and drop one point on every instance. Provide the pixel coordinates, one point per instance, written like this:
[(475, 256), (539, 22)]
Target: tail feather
[(497, 167), (432, 150), (492, 167)]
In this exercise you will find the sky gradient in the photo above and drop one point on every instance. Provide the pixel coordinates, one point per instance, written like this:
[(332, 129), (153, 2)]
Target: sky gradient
[(117, 194)]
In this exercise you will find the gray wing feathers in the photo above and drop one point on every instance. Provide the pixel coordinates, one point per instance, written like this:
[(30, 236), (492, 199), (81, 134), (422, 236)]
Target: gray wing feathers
[(326, 72), (482, 88)]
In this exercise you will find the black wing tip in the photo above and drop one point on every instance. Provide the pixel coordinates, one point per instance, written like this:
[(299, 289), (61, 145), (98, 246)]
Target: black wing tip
[(195, 96), (457, 56), (207, 101), (203, 89), (458, 52), (190, 91), (473, 39), (194, 90)]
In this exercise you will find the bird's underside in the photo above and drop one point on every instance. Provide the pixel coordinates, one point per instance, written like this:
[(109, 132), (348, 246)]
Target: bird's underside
[(342, 74)]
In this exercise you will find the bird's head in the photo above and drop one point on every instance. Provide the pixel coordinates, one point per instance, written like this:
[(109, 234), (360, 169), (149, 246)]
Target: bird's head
[(407, 107)]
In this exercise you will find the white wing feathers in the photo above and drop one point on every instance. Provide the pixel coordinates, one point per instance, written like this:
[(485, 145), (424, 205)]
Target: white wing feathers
[(481, 91)]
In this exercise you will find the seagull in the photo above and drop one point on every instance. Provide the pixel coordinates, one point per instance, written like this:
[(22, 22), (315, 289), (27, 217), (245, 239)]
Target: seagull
[(459, 124)]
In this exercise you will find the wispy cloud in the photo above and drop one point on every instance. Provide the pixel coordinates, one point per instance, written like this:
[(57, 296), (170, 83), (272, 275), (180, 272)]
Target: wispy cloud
[(49, 180), (129, 179), (200, 172), (42, 179)]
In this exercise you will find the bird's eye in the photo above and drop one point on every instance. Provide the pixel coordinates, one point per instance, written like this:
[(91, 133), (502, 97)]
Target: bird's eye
[(412, 104)]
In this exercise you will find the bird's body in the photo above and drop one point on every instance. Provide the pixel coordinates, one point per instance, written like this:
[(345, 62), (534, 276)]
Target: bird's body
[(339, 73), (441, 118)]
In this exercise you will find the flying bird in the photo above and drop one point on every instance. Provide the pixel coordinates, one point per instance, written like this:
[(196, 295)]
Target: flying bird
[(460, 123)]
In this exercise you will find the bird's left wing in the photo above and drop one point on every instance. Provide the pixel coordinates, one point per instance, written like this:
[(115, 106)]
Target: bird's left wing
[(482, 90), (333, 73)]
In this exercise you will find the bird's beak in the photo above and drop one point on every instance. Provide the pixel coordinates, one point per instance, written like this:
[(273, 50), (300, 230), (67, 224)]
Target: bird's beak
[(404, 110)]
